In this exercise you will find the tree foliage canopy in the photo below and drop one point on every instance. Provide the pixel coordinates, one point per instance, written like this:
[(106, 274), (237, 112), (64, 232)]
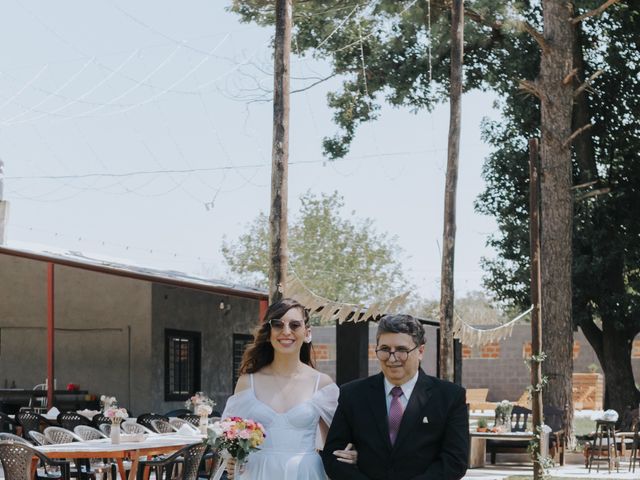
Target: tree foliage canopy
[(380, 49), (338, 258)]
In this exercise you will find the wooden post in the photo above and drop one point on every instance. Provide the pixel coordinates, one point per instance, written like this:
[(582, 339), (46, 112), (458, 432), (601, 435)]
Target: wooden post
[(536, 321), (51, 385), (449, 235), (352, 351), (280, 152)]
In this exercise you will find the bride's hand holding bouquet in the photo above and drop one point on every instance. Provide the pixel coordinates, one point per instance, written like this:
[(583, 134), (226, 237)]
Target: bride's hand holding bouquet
[(235, 438)]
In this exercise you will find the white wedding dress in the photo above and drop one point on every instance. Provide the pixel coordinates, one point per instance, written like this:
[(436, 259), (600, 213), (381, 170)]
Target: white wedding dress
[(289, 450)]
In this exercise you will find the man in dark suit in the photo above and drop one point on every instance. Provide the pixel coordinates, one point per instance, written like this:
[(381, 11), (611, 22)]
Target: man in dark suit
[(403, 423)]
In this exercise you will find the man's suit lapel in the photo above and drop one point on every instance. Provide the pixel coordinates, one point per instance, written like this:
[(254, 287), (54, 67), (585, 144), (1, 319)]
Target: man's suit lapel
[(379, 407), (413, 413)]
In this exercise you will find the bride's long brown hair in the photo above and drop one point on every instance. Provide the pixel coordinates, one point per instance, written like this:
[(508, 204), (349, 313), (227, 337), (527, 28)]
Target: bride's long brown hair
[(259, 353)]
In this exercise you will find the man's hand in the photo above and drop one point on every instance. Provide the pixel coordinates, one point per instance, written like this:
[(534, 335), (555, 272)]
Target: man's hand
[(348, 455)]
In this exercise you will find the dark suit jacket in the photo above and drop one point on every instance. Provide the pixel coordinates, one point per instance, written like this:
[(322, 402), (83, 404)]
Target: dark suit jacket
[(433, 449)]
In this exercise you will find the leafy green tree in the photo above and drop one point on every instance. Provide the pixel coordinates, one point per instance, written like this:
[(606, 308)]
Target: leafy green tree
[(338, 258), (606, 251), (381, 48)]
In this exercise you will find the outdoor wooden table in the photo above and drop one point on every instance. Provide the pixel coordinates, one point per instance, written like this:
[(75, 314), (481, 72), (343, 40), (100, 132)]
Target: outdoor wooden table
[(103, 448), (478, 450)]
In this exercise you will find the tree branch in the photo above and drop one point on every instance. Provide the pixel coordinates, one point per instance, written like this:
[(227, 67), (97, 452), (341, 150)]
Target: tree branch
[(593, 193), (594, 12), (537, 36), (314, 84), (567, 79), (594, 337), (586, 83), (479, 18), (577, 132), (530, 87)]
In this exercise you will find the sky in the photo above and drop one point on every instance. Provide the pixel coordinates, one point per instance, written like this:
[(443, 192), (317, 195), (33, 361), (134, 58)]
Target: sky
[(141, 131)]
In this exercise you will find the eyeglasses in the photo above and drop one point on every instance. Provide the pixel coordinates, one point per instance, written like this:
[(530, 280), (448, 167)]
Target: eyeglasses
[(400, 354), (278, 324)]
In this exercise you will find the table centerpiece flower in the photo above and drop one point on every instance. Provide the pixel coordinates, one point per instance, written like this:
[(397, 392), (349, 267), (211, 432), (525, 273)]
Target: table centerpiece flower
[(202, 406), (503, 416), (116, 415)]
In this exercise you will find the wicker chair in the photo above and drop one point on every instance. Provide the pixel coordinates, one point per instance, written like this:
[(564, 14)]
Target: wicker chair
[(38, 438), (105, 428), (60, 435), (133, 428), (146, 419), (31, 421), (88, 433), (71, 420), (189, 456), (162, 426), (16, 459), (10, 437), (179, 422)]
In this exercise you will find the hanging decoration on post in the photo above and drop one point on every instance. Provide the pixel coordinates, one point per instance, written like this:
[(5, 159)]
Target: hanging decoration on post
[(474, 337), (343, 312)]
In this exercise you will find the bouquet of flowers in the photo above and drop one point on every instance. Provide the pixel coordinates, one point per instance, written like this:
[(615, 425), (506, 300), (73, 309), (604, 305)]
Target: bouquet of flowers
[(116, 414), (200, 404), (503, 414), (235, 438)]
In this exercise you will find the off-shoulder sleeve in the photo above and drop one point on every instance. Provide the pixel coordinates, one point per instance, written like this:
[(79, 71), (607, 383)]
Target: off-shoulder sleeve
[(325, 401), (238, 405)]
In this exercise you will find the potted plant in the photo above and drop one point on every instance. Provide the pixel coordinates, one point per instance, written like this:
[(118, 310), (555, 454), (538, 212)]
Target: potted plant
[(482, 425)]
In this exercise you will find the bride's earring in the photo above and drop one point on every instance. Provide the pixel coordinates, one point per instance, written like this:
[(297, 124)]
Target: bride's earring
[(307, 338)]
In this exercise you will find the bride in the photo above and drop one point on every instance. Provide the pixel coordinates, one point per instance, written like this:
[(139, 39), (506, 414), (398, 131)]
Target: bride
[(279, 388)]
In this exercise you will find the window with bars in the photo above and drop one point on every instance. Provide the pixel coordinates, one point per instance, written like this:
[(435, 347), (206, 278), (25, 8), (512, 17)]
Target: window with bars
[(240, 342), (182, 364)]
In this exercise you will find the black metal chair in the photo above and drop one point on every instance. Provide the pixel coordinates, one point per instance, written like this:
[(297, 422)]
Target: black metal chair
[(145, 419), (192, 418), (189, 457), (70, 420), (519, 421), (31, 421), (8, 424), (16, 459)]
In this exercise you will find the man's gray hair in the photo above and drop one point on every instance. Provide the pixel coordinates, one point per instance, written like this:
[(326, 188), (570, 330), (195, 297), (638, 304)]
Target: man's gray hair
[(401, 324)]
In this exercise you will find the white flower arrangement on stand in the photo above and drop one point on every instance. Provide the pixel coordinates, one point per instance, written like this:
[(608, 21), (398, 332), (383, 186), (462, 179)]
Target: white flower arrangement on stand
[(117, 415), (503, 415), (202, 406)]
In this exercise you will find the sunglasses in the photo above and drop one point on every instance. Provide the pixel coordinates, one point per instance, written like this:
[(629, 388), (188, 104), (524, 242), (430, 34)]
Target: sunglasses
[(278, 324)]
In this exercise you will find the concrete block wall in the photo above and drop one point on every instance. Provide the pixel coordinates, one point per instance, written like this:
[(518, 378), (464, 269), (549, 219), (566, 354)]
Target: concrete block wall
[(186, 309)]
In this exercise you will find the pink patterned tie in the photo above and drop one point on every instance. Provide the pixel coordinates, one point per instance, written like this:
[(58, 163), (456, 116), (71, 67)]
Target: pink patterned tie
[(395, 413)]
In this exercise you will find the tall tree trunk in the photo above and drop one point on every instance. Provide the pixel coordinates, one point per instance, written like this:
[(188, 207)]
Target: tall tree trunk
[(451, 182), (280, 153), (585, 155), (612, 342), (557, 203)]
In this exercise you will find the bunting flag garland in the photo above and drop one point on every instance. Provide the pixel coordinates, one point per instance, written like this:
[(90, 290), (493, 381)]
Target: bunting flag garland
[(343, 312), (474, 337)]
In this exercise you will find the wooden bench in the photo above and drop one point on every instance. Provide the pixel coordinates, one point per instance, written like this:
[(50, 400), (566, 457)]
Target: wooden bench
[(477, 399)]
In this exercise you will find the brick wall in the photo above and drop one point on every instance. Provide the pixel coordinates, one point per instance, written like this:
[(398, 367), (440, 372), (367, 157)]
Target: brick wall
[(499, 367)]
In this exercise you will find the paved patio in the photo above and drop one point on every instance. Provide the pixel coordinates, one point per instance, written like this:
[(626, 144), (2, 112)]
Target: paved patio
[(519, 465)]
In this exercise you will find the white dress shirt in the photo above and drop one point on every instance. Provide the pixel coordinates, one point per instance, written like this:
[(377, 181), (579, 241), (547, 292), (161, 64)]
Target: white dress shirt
[(407, 389)]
